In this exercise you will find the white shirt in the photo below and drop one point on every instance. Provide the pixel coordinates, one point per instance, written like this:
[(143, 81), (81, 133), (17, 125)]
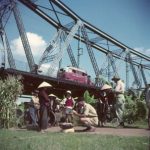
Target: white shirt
[(89, 110), (120, 87)]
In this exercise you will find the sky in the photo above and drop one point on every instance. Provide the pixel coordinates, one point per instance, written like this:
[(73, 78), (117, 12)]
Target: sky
[(128, 21)]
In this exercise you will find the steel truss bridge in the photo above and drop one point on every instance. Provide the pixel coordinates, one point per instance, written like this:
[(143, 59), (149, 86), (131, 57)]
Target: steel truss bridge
[(70, 28)]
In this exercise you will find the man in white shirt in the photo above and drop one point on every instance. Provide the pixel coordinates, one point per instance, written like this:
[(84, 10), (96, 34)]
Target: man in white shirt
[(148, 103), (120, 100)]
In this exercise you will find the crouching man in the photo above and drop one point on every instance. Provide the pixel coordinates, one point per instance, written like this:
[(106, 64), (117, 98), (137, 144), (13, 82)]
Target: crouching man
[(87, 114)]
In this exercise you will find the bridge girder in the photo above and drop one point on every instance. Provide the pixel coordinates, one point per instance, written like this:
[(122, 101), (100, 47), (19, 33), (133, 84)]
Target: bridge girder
[(90, 28)]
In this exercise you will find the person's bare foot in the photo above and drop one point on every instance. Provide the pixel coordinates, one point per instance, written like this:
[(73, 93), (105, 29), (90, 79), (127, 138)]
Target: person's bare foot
[(92, 129), (42, 131)]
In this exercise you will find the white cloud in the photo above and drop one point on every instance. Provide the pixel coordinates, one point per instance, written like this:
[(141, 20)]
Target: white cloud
[(143, 51), (44, 70), (37, 44)]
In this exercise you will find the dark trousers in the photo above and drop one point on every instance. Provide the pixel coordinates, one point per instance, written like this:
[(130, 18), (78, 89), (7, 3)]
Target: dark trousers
[(102, 112), (43, 124)]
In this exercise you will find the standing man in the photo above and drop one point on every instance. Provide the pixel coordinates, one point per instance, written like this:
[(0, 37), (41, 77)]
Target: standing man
[(44, 105), (34, 108), (88, 115), (148, 103), (120, 100)]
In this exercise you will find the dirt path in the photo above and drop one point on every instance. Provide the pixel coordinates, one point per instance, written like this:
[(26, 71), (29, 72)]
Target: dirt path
[(111, 131), (128, 131)]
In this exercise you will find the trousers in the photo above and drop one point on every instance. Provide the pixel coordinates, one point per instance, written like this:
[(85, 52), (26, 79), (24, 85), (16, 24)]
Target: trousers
[(119, 106), (33, 114)]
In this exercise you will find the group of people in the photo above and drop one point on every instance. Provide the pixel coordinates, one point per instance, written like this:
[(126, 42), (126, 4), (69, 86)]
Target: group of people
[(41, 103), (86, 113)]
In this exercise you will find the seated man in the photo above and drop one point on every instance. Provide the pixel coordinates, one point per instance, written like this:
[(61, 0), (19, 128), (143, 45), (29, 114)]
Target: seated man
[(87, 115)]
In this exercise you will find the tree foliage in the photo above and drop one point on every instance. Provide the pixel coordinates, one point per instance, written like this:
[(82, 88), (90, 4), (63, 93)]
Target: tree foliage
[(88, 99), (135, 107), (10, 88)]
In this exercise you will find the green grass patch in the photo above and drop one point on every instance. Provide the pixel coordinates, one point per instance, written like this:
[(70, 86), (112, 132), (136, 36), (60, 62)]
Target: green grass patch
[(31, 140), (141, 124)]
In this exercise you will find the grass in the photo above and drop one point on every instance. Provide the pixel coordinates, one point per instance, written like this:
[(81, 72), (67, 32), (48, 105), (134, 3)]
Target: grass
[(141, 124), (31, 140)]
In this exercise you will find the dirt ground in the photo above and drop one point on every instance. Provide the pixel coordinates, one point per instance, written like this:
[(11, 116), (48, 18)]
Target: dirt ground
[(110, 131), (127, 131)]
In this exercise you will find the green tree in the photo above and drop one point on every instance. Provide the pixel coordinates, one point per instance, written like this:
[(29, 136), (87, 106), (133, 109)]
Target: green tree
[(135, 106), (10, 89), (88, 99)]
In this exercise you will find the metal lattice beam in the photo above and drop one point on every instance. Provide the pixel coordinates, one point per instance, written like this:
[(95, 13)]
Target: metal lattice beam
[(24, 38), (93, 29), (90, 52)]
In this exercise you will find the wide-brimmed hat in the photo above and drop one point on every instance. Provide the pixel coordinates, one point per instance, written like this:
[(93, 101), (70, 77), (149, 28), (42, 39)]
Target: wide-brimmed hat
[(76, 98), (35, 92), (52, 95), (68, 92), (105, 87), (44, 84), (116, 77)]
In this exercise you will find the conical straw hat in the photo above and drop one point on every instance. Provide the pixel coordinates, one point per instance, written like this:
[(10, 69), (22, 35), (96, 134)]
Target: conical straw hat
[(52, 95), (44, 84), (105, 87)]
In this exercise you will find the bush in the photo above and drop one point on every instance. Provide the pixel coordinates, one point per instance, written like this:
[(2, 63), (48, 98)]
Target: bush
[(10, 88), (141, 109), (89, 99), (135, 108)]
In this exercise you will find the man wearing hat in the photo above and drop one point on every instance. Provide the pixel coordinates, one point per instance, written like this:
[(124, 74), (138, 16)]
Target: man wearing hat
[(68, 102), (44, 104), (148, 103), (88, 116), (54, 103), (103, 103), (120, 99)]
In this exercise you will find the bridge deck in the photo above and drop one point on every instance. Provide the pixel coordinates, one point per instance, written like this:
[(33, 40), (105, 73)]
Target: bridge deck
[(31, 82)]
